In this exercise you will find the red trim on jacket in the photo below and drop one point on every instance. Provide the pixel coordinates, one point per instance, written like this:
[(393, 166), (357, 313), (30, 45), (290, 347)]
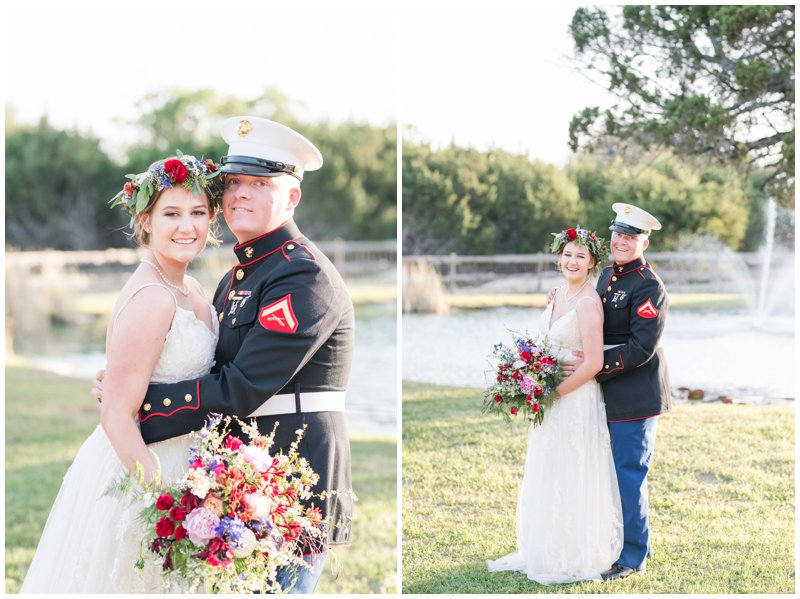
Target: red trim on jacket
[(614, 369)]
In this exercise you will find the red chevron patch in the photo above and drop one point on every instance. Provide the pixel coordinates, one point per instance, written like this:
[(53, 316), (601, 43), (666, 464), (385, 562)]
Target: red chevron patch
[(647, 310), (279, 316)]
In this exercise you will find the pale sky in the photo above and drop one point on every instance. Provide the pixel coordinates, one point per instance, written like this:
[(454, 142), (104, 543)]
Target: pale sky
[(488, 74), (86, 63), (493, 74)]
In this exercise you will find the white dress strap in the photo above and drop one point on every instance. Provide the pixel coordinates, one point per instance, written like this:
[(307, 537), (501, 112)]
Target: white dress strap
[(130, 297)]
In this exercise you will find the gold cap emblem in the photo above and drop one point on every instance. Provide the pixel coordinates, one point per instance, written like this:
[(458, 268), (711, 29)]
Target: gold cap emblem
[(245, 127), (626, 211)]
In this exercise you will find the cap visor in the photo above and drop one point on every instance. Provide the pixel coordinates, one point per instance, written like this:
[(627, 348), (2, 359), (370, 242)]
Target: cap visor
[(626, 229), (247, 169)]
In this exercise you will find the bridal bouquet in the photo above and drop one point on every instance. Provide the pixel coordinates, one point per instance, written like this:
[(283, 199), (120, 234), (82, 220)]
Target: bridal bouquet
[(525, 380), (235, 516)]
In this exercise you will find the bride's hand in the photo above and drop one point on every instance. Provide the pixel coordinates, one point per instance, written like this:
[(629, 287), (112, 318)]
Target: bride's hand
[(97, 388)]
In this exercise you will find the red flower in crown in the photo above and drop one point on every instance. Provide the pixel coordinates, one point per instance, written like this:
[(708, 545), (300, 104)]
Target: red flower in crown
[(175, 170), (592, 236), (572, 234), (128, 189)]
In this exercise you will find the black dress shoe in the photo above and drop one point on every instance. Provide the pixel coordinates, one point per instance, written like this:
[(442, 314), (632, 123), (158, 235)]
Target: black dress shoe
[(617, 571)]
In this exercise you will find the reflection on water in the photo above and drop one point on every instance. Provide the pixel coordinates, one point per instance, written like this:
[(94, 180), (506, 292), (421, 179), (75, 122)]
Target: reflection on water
[(717, 351), (372, 394)]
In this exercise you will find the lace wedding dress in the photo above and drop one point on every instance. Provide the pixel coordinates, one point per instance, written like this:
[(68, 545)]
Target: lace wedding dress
[(569, 524), (91, 542)]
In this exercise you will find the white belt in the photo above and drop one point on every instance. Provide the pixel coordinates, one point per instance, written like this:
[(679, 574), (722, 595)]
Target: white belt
[(314, 401), (605, 347)]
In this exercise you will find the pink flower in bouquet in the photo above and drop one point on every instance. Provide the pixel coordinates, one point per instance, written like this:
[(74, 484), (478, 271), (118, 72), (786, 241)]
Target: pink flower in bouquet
[(201, 525), (258, 458), (527, 384), (164, 501), (260, 504)]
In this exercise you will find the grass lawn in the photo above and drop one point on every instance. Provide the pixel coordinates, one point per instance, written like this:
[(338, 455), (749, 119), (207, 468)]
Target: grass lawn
[(47, 419), (721, 499)]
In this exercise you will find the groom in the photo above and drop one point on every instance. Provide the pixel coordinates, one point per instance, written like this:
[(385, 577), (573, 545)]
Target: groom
[(634, 377), (286, 327)]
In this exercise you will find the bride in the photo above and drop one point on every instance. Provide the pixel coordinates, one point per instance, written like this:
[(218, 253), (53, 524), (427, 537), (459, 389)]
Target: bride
[(569, 524), (162, 329)]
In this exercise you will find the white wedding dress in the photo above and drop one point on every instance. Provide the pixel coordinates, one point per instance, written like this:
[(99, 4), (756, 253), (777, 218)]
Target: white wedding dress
[(569, 523), (91, 542)]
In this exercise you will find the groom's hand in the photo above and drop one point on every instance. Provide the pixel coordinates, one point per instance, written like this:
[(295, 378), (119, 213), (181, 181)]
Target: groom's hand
[(551, 295), (97, 389), (569, 366)]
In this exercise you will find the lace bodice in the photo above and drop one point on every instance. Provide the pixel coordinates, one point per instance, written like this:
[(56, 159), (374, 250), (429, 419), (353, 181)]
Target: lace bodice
[(188, 350), (190, 345), (565, 332)]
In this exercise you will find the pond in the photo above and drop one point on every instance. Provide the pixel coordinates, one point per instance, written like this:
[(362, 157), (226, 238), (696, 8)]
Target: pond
[(371, 395), (718, 351)]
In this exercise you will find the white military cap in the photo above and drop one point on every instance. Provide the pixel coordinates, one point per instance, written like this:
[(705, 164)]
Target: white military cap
[(264, 148), (631, 220)]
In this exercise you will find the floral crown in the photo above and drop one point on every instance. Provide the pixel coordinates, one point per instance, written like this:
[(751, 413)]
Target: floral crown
[(184, 170), (597, 245)]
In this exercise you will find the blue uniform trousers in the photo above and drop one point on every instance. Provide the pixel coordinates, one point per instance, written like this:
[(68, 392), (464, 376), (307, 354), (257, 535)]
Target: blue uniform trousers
[(306, 578), (632, 444)]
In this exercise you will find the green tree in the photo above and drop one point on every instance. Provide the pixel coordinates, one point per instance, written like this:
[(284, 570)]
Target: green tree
[(683, 195), (353, 195), (57, 187), (714, 81), (470, 202)]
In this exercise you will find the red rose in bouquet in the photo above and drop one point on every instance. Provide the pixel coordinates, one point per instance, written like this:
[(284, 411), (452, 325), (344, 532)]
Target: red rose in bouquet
[(165, 527), (164, 502)]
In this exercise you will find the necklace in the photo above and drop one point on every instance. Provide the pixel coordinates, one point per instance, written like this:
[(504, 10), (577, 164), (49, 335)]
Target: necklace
[(163, 278), (586, 282)]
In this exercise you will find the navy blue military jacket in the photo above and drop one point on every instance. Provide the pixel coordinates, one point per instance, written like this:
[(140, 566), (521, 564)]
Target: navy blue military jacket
[(286, 326), (634, 377)]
